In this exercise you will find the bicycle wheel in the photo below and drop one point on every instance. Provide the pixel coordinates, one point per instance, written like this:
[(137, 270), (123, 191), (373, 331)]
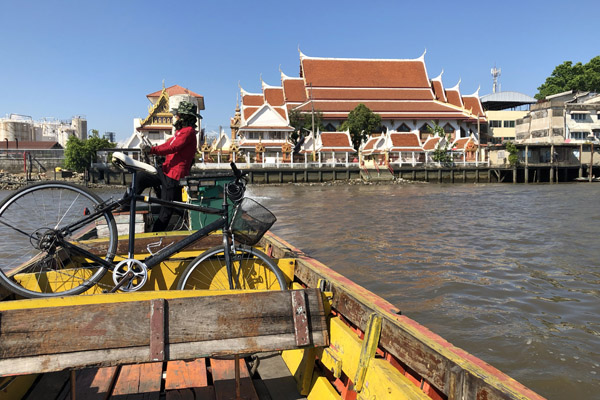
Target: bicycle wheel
[(252, 270), (33, 259)]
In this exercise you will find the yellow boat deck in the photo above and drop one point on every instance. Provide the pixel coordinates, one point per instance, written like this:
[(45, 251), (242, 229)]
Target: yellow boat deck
[(364, 348)]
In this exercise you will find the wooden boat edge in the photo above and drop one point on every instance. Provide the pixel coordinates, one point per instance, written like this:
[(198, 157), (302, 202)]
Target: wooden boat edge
[(459, 373)]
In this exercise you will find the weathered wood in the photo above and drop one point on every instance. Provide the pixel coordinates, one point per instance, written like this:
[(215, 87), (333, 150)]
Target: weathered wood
[(95, 383), (139, 379), (186, 374), (41, 340)]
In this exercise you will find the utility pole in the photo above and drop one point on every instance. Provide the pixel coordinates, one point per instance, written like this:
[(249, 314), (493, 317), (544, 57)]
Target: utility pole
[(312, 114)]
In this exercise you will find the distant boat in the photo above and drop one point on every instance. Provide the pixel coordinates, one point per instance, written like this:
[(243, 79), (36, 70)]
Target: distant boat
[(587, 179)]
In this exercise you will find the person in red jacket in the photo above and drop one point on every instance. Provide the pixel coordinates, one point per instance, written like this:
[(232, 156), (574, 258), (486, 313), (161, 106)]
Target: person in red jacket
[(179, 151)]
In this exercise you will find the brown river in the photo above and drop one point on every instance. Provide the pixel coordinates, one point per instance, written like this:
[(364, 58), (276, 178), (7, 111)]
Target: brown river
[(510, 273)]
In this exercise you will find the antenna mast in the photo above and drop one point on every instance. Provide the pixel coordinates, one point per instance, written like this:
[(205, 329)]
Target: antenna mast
[(495, 74)]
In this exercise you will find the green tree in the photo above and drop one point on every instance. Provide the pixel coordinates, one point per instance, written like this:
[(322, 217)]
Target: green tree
[(513, 153), (79, 153), (568, 76), (440, 153), (302, 122), (360, 123)]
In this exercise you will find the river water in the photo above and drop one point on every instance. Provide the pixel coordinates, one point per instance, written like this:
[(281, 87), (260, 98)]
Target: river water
[(510, 273)]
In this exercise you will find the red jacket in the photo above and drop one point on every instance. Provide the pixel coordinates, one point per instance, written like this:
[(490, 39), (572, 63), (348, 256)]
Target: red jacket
[(180, 151)]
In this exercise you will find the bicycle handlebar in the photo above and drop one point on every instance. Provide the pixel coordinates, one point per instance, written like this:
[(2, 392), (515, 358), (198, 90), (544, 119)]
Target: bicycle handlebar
[(235, 190)]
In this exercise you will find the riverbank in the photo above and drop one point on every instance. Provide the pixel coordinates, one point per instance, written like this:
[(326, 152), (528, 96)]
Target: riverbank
[(14, 181)]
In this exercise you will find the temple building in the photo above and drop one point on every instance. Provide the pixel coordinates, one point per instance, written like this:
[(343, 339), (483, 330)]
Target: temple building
[(157, 126), (399, 90)]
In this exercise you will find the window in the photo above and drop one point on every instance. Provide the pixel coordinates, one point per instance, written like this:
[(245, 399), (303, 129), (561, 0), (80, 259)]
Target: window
[(403, 128), (448, 128), (495, 124), (578, 117), (509, 124), (579, 135), (425, 128)]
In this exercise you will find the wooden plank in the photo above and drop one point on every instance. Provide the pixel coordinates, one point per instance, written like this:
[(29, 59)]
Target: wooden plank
[(38, 340), (142, 379), (186, 374), (223, 374), (94, 383)]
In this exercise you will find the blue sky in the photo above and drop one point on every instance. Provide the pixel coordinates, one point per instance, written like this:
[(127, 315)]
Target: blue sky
[(100, 59)]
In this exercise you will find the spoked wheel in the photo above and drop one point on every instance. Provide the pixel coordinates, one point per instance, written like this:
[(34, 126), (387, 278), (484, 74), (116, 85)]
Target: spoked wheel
[(252, 270), (35, 255)]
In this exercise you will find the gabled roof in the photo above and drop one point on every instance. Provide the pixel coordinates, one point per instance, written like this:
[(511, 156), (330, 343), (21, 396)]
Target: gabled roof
[(265, 117), (160, 110), (404, 141), (369, 73), (454, 97), (374, 145), (273, 95), (396, 89), (462, 143), (335, 142), (438, 88), (431, 143), (293, 89), (176, 89)]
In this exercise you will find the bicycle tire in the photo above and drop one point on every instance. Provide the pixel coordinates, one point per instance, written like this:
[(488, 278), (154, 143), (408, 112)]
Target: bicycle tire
[(252, 270), (32, 262)]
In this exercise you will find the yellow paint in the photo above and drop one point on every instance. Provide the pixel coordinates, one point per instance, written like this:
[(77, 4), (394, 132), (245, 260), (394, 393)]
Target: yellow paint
[(113, 298), (288, 267), (301, 363), (322, 390), (369, 347), (329, 358), (383, 381), (15, 387), (345, 347)]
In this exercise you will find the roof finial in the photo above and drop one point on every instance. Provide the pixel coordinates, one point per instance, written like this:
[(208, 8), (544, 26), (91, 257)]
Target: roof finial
[(163, 84)]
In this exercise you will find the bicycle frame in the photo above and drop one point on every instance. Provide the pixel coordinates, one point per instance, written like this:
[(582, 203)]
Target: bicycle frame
[(165, 253)]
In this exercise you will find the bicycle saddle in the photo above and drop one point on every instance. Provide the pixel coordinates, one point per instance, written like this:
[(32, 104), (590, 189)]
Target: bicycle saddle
[(126, 162)]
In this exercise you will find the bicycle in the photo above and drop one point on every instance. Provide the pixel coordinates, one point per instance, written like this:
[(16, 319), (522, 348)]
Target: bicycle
[(61, 239)]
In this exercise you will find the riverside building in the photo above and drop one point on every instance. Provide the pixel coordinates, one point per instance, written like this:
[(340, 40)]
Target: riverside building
[(399, 90)]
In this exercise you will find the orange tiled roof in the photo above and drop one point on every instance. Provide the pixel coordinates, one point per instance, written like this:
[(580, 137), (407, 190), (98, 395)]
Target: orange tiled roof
[(274, 96), (438, 89), (473, 104), (253, 99), (405, 140), (293, 90), (461, 143), (335, 141), (454, 97), (370, 94), (328, 72), (174, 90), (248, 111), (431, 143)]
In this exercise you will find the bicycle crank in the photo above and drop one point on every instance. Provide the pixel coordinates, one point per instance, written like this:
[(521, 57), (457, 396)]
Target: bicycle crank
[(130, 275)]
